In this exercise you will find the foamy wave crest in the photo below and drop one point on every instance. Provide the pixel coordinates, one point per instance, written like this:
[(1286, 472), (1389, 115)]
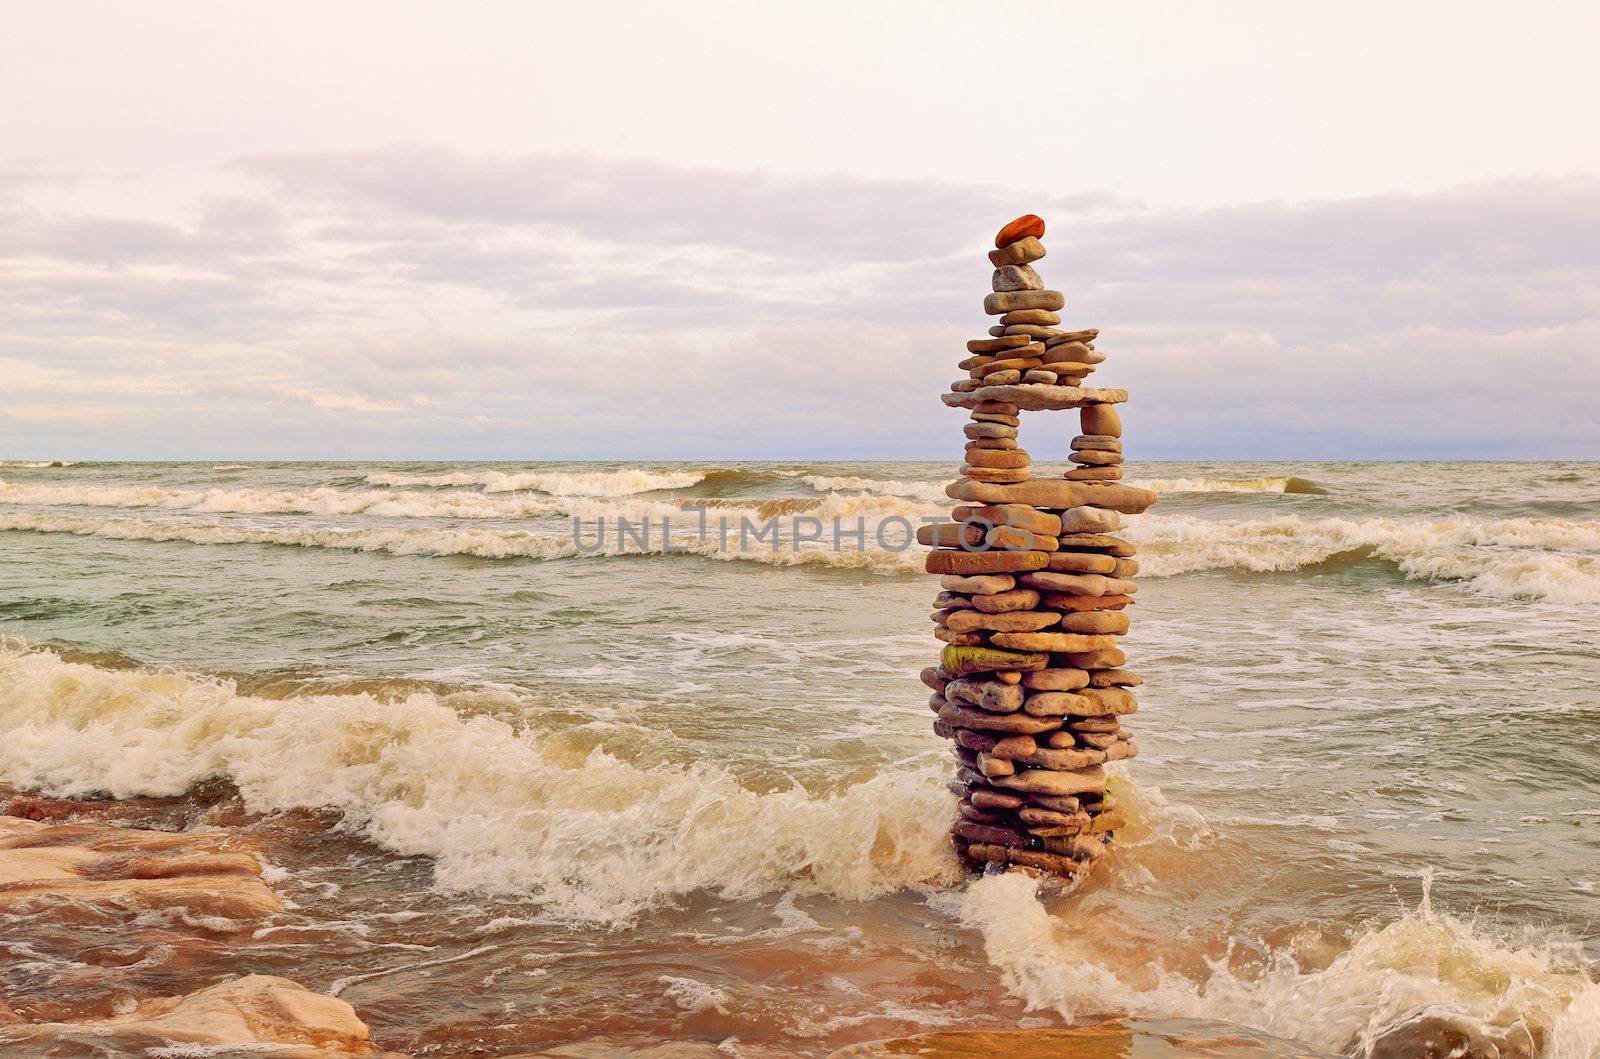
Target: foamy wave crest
[(892, 487), (466, 504), (557, 483), (1232, 485), (596, 838), (780, 549), (37, 463), (1527, 1001), (1548, 559)]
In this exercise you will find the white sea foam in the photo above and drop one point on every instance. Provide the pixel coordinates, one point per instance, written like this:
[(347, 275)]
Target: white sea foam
[(1230, 485), (1527, 558), (1423, 963), (557, 483), (879, 487), (596, 839)]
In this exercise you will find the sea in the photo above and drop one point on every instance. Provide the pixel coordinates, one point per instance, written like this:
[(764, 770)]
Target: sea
[(526, 773)]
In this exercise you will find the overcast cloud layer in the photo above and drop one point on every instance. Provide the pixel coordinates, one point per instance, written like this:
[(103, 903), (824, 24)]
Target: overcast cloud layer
[(419, 302)]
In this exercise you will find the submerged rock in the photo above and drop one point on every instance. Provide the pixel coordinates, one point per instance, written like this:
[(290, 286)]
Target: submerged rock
[(1121, 1039)]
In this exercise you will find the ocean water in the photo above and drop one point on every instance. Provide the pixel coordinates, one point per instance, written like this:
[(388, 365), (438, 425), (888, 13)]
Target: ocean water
[(523, 785)]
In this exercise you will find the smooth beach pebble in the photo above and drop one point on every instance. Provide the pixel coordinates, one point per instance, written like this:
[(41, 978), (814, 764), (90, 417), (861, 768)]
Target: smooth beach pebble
[(1027, 225)]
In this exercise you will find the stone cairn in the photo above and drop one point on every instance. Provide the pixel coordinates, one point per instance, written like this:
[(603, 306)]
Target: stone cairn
[(1031, 685)]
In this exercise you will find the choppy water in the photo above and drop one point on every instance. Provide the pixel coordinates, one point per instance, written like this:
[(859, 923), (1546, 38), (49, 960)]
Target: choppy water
[(522, 793)]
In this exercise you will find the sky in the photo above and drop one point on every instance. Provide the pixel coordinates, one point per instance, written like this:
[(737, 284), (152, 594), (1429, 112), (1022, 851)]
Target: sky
[(692, 230)]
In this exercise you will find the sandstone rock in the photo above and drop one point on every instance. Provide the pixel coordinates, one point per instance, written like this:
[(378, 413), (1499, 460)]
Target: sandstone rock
[(1036, 817), (1067, 349), (964, 660), (971, 364), (254, 1014), (1000, 475), (1055, 704), (1054, 492), (996, 406), (1114, 678), (1034, 397), (950, 600), (1103, 442), (999, 836), (1114, 701), (989, 695), (960, 639), (1009, 301), (935, 677), (1018, 516), (987, 584), (993, 766), (991, 443), (1042, 317), (1002, 458), (950, 535), (1100, 419), (1110, 658), (1019, 540), (1010, 676), (1038, 331), (1014, 746), (1135, 1039), (973, 717), (1024, 251), (1009, 623), (989, 430), (1094, 474), (1072, 584), (998, 330), (1082, 563), (1059, 642), (1080, 520), (1055, 679), (1095, 622), (1096, 458), (995, 417), (1114, 546), (1014, 278), (1070, 602), (964, 386), (1049, 781), (1000, 602), (1062, 760), (1003, 377), (1126, 568), (1030, 858), (998, 345), (968, 563), (985, 799), (1040, 376), (1029, 225), (1106, 724), (131, 870), (1099, 740)]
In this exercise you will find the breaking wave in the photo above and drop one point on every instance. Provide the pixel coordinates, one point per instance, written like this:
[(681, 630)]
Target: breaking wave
[(557, 483), (499, 809), (34, 464), (1233, 485), (1395, 982), (892, 487), (1522, 558)]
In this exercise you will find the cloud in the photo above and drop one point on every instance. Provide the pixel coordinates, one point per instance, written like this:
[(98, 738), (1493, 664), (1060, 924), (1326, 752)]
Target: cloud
[(414, 301)]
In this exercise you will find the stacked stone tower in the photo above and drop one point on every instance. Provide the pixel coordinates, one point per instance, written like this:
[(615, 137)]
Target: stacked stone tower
[(1031, 685)]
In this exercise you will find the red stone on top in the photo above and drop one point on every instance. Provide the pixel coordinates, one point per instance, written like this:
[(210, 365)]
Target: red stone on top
[(1024, 226)]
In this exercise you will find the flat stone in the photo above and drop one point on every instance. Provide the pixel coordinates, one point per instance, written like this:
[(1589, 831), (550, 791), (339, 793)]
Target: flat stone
[(950, 535), (990, 834), (960, 639), (1078, 584), (953, 600), (1022, 252), (972, 717), (997, 345), (1045, 641), (1062, 760), (1050, 781), (1014, 746), (999, 407), (1055, 493), (1008, 301), (1072, 602), (1113, 546), (1068, 349), (965, 660), (974, 362), (1110, 658), (989, 695), (1094, 474), (1081, 520), (1017, 516), (1018, 540), (1054, 704), (1039, 860), (968, 563), (1167, 1038), (1036, 817), (1082, 563), (1115, 701), (1014, 278), (1008, 622), (984, 799), (1096, 458), (1095, 724), (989, 430), (1039, 375), (1055, 679), (992, 443), (1012, 458), (991, 766), (1125, 568), (1095, 622), (1001, 475), (996, 417), (1103, 442), (1032, 316), (1036, 397), (1100, 419), (1112, 678), (1029, 225), (1037, 331), (1121, 751), (1002, 377), (987, 584), (935, 677)]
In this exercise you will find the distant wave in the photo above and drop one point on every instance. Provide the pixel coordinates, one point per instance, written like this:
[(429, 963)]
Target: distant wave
[(1232, 485), (37, 463), (557, 483), (892, 487), (498, 544), (598, 839), (1523, 558)]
